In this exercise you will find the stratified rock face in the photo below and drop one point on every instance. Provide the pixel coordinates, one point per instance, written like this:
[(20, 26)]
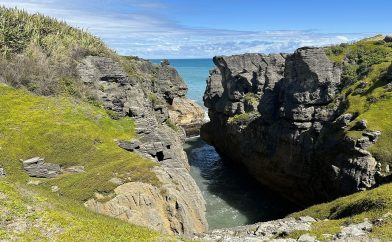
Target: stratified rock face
[(188, 115), (279, 117), (178, 206)]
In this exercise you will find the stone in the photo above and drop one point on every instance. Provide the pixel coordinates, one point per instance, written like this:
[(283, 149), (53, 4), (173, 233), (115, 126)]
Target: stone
[(360, 125), (36, 167), (362, 84), (116, 181), (55, 189), (129, 145), (307, 219), (264, 231), (372, 135), (306, 238), (2, 172), (344, 120), (34, 182), (75, 169), (355, 230)]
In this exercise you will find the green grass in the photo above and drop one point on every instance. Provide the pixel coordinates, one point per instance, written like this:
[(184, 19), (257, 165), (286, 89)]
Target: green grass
[(51, 219), (68, 133), (243, 118), (41, 53), (65, 132), (251, 98), (372, 205), (367, 61), (364, 61), (19, 30), (172, 125)]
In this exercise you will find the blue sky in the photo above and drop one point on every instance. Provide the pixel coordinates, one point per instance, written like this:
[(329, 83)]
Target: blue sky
[(201, 28)]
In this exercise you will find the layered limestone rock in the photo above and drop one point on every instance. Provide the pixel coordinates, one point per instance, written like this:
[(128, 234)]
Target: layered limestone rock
[(188, 115), (171, 91), (177, 206), (280, 117)]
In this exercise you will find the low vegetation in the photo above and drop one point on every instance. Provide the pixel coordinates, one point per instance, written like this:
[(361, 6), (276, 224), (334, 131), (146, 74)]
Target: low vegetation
[(65, 132), (68, 134), (365, 65), (41, 54), (244, 118), (374, 205), (46, 111), (35, 215)]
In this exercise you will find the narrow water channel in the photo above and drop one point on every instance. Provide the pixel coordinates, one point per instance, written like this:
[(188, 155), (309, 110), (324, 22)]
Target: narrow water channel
[(232, 197)]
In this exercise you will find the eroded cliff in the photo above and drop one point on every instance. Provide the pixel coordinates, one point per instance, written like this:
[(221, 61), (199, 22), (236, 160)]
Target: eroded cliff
[(177, 206), (286, 118)]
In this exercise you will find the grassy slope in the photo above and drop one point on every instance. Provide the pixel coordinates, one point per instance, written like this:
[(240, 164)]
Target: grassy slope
[(367, 61), (373, 205), (39, 54), (67, 133), (364, 61), (42, 216)]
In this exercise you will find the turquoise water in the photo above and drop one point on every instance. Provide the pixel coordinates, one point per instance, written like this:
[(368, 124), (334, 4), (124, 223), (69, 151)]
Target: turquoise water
[(195, 73), (232, 198)]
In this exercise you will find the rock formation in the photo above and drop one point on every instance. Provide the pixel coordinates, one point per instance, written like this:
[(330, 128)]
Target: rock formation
[(281, 230), (280, 117), (177, 206), (37, 167), (187, 114)]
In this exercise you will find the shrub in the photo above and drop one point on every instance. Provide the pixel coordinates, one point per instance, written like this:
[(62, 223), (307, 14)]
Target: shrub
[(41, 53), (172, 125), (244, 118)]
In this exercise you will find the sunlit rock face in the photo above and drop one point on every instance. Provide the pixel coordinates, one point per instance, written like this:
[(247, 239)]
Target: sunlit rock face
[(281, 117), (147, 94)]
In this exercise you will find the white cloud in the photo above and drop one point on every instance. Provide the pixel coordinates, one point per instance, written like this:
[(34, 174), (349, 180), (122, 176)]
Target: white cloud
[(138, 31)]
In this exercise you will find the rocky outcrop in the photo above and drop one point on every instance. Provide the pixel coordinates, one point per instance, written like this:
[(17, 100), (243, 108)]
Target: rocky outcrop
[(188, 115), (280, 117), (264, 231), (146, 95), (37, 167), (282, 230)]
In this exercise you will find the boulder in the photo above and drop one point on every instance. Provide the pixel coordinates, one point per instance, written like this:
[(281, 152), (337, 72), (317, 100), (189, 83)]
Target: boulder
[(360, 125), (2, 172), (188, 115), (116, 181), (54, 188), (36, 167), (129, 145)]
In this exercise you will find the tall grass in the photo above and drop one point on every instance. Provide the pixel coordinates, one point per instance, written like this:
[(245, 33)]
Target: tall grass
[(40, 53), (19, 30)]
